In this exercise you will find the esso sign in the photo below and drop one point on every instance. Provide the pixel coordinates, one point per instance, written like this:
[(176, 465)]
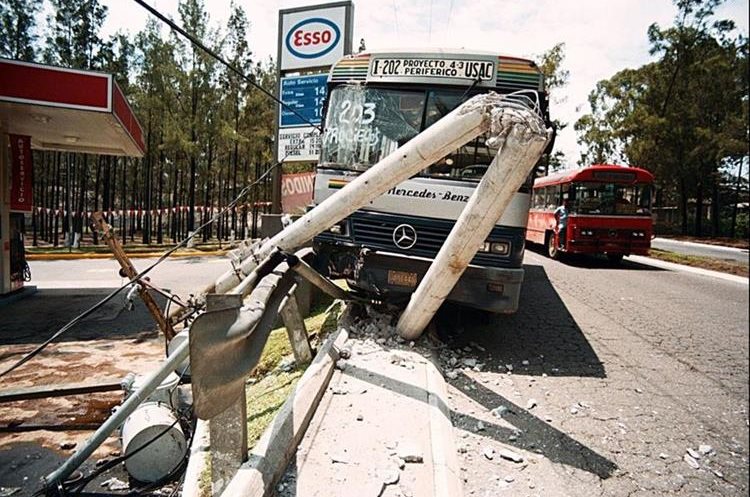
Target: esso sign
[(312, 38)]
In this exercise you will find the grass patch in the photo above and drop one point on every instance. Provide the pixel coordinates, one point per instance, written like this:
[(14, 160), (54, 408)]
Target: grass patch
[(273, 386), (721, 265), (722, 241), (264, 399)]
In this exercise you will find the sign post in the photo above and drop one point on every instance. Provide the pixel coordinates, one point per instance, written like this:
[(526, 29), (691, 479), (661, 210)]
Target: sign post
[(311, 40)]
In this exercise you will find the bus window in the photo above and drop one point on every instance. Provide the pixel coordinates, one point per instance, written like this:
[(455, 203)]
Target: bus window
[(363, 125), (612, 199)]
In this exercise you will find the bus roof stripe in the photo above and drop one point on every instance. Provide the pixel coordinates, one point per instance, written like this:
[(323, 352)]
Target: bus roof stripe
[(584, 173)]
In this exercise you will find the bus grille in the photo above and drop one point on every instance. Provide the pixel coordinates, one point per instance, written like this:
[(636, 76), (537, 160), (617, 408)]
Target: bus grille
[(377, 232)]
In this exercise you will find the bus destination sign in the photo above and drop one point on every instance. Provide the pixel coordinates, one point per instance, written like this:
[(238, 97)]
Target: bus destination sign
[(415, 67)]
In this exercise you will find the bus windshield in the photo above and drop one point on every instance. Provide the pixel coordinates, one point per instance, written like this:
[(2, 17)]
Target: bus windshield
[(611, 199), (365, 124)]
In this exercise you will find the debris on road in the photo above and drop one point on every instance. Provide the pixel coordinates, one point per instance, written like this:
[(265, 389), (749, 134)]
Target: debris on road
[(500, 411), (115, 484), (705, 449), (410, 453), (691, 461), (510, 455), (489, 453)]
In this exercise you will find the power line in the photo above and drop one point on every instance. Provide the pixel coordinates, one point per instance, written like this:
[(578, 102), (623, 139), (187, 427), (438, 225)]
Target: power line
[(169, 252), (195, 41), (135, 278)]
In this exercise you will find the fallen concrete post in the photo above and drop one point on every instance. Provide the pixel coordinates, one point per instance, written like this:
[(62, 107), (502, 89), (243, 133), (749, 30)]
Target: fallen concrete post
[(463, 124), (521, 136)]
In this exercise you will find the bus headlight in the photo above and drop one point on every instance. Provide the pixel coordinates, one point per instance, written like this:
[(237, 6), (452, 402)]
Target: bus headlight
[(639, 234), (587, 232), (485, 247), (500, 248)]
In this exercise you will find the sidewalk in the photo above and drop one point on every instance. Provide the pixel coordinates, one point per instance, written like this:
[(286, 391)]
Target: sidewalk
[(700, 249), (382, 429)]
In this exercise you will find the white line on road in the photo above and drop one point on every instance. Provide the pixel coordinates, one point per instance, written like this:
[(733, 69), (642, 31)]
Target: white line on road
[(687, 269)]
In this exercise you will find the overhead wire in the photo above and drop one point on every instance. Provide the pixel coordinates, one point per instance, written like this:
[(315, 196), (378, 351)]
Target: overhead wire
[(195, 41), (137, 277), (169, 252)]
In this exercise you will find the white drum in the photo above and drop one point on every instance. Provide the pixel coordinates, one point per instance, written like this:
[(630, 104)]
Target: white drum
[(165, 393), (164, 454)]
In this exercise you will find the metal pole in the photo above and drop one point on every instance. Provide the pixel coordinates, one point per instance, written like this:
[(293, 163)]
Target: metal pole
[(118, 417), (303, 269), (523, 138)]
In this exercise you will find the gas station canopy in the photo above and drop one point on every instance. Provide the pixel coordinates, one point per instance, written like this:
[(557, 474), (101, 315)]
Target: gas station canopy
[(52, 108), (67, 109)]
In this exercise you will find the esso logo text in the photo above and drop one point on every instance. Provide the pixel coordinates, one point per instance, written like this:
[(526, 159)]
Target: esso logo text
[(312, 38)]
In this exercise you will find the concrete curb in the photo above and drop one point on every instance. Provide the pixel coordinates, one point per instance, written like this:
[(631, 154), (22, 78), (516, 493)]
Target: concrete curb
[(135, 255), (711, 246), (197, 460), (445, 460), (649, 261), (269, 458)]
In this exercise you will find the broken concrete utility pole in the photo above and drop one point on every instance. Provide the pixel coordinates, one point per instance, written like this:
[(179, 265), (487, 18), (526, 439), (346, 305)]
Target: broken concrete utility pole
[(520, 133), (463, 124)]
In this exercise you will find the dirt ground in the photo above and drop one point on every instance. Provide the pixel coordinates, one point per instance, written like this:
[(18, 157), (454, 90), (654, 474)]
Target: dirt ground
[(103, 348)]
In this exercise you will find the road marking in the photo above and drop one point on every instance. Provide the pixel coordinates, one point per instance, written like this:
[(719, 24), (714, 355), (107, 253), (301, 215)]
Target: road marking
[(687, 269)]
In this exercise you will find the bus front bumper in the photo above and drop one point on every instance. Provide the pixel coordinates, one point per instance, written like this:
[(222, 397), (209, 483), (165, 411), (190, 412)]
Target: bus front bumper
[(491, 289), (584, 246)]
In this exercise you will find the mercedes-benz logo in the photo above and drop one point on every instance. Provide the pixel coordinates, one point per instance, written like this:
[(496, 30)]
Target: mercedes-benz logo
[(404, 236)]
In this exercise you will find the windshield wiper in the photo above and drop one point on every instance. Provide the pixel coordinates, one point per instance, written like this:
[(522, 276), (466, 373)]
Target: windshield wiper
[(469, 89)]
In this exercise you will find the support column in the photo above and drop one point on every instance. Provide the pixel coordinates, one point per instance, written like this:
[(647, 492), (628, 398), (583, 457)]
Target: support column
[(4, 214)]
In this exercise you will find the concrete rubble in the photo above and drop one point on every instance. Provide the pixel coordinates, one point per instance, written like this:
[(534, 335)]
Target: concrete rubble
[(359, 442)]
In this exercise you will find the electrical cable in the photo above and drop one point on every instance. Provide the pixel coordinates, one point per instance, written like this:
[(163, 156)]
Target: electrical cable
[(195, 41), (185, 417), (80, 485), (138, 276)]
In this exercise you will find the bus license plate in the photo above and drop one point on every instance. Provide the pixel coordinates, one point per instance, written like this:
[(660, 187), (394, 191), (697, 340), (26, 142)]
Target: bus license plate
[(402, 278)]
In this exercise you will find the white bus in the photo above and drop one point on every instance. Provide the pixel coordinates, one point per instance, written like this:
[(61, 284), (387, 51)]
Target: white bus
[(377, 101)]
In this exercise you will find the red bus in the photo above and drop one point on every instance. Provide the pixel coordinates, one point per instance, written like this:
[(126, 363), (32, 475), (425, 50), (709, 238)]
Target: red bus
[(609, 211)]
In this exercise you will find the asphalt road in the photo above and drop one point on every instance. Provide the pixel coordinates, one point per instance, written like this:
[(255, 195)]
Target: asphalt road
[(182, 275), (616, 373), (701, 249)]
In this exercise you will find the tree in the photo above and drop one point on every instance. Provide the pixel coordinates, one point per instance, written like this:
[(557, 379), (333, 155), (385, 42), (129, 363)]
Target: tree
[(74, 40), (240, 58), (681, 116), (555, 77), (18, 28)]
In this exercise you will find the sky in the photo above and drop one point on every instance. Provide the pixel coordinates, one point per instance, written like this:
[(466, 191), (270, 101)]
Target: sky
[(601, 37)]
